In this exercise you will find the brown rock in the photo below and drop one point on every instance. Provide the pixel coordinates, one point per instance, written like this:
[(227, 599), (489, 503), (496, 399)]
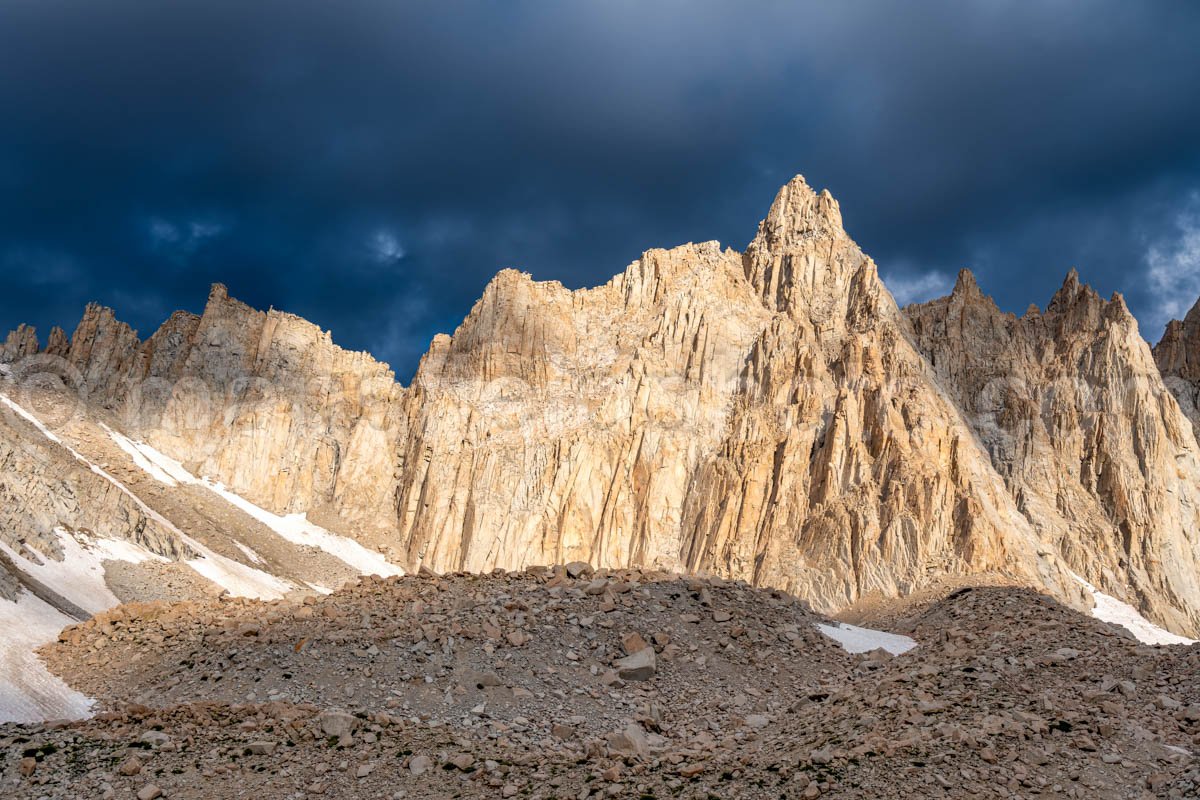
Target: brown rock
[(632, 643)]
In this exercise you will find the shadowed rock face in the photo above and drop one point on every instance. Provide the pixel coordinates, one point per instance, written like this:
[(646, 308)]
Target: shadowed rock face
[(19, 344), (768, 415), (1078, 421), (1178, 357)]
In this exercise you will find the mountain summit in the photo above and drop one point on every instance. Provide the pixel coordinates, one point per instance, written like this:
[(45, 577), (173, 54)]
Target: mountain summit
[(768, 416)]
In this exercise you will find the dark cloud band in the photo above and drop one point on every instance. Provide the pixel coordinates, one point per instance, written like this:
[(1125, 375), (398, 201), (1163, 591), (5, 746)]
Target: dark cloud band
[(370, 164)]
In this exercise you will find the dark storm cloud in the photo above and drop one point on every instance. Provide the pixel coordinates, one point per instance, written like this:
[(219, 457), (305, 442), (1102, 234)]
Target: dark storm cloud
[(370, 165)]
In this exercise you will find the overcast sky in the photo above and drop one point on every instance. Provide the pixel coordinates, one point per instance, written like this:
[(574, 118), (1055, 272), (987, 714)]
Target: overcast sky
[(370, 164)]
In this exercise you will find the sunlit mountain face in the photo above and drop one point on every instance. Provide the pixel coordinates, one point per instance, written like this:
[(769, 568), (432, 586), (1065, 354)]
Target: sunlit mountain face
[(599, 400)]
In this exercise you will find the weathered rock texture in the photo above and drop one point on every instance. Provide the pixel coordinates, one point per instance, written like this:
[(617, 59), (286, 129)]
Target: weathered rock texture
[(758, 415), (768, 415), (265, 402), (262, 401), (1077, 419), (19, 344), (1178, 357), (845, 470), (44, 488)]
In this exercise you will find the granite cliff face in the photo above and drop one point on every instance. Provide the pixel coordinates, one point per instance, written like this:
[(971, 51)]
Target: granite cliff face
[(845, 470), (262, 401), (759, 415), (1079, 423), (769, 415), (1178, 357)]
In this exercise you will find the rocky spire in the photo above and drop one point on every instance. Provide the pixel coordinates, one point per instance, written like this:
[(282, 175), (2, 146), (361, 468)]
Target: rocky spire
[(104, 350), (20, 343), (798, 213), (965, 285), (1178, 352), (802, 263), (58, 344)]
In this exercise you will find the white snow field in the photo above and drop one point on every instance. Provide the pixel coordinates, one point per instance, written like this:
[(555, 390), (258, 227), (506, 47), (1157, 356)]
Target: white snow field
[(1110, 609), (28, 691), (79, 577), (295, 528), (854, 639)]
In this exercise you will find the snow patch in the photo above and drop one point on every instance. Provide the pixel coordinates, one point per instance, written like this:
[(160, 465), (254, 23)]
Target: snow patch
[(1110, 609), (236, 578), (254, 557), (121, 550), (854, 639), (28, 691), (298, 530), (79, 577), (145, 464), (295, 528)]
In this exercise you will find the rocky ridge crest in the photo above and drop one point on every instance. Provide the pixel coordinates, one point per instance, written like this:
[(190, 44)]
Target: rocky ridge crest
[(770, 416)]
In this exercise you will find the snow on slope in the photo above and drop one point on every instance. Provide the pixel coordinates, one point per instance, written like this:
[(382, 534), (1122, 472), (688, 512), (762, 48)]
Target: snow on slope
[(233, 576), (28, 691), (248, 552), (1110, 609), (293, 527), (79, 577), (143, 463), (298, 530), (37, 423), (854, 639)]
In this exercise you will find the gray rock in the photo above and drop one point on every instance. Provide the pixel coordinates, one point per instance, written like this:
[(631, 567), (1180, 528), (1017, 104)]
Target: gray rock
[(640, 666)]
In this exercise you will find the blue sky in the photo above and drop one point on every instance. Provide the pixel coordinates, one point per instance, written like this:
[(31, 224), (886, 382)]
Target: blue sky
[(371, 164)]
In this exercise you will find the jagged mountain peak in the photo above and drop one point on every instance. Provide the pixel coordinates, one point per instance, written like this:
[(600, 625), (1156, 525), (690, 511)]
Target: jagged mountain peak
[(21, 342), (1076, 385), (1193, 315), (802, 263), (799, 211), (1117, 309), (965, 284), (97, 315), (1177, 355), (1071, 291), (767, 415)]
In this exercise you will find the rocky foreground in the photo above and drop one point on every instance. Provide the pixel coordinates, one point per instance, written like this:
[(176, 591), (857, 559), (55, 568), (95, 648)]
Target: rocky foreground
[(563, 683)]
